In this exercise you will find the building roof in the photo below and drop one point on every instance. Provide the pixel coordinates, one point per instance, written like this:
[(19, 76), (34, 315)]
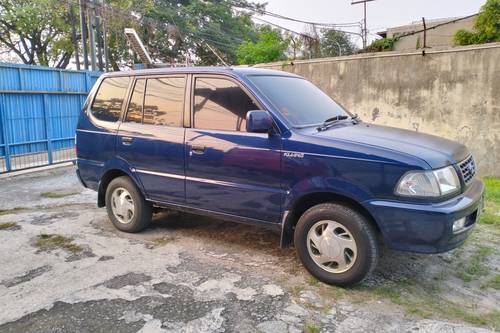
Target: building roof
[(418, 24)]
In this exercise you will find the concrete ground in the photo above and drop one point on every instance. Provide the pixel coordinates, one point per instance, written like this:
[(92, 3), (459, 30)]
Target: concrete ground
[(64, 268)]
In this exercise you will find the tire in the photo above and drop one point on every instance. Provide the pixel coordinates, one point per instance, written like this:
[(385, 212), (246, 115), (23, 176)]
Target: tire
[(127, 209), (346, 253)]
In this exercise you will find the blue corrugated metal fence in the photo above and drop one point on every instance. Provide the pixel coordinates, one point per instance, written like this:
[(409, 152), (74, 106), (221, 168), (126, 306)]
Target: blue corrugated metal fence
[(39, 108)]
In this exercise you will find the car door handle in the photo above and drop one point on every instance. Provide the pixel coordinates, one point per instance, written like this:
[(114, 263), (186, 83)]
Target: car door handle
[(127, 140), (198, 149)]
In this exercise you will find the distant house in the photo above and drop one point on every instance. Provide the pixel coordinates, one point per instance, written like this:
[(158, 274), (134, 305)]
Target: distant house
[(440, 33)]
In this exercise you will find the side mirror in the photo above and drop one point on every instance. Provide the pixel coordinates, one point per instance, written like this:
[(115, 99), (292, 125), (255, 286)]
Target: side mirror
[(259, 121)]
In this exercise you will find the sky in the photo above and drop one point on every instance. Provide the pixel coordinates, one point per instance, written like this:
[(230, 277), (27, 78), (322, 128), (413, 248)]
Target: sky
[(381, 14)]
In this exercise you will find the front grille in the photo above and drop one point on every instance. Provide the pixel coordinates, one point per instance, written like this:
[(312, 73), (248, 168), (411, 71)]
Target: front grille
[(468, 169)]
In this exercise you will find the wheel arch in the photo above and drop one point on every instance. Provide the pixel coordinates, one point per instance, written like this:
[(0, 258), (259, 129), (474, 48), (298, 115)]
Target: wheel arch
[(303, 203), (107, 177)]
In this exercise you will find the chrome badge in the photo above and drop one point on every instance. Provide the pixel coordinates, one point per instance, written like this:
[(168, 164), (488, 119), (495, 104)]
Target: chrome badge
[(293, 155)]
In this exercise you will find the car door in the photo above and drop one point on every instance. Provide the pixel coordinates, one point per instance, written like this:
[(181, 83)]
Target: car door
[(227, 169), (151, 137)]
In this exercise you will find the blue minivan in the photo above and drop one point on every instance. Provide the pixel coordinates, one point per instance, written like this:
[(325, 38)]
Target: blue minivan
[(270, 148)]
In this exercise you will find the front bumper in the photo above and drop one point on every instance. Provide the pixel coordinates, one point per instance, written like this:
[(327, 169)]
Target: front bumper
[(427, 228)]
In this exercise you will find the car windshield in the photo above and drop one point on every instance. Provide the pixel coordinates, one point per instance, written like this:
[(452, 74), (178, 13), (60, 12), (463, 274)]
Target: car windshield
[(298, 100)]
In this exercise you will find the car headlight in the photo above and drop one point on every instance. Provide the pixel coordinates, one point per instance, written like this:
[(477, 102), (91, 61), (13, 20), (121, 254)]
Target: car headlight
[(433, 183)]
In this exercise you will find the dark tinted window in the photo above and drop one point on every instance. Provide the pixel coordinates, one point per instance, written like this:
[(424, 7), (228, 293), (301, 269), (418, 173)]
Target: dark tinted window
[(134, 112), (220, 104), (164, 101), (109, 99), (298, 100)]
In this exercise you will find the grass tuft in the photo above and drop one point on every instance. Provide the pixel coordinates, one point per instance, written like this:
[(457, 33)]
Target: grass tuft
[(7, 225), (311, 328), (161, 241), (47, 242), (55, 195), (493, 283), (491, 214), (10, 210), (426, 303), (475, 265)]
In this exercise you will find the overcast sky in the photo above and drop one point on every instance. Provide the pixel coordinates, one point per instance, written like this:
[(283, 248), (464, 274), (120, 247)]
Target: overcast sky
[(381, 14)]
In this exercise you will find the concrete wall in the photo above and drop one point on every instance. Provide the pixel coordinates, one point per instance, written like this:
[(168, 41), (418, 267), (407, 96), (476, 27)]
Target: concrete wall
[(453, 94)]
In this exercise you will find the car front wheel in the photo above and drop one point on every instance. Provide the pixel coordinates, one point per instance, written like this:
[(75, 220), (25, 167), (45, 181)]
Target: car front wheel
[(336, 244)]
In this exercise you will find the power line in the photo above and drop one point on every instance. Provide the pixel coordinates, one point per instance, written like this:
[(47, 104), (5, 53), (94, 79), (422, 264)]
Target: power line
[(280, 16), (364, 30)]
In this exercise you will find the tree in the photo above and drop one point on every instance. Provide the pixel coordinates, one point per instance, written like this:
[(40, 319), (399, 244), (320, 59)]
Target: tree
[(335, 43), (486, 27), (176, 30), (269, 46), (295, 45), (37, 31), (380, 45), (311, 47)]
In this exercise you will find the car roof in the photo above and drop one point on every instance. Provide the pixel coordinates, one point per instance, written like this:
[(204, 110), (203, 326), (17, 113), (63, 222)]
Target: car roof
[(238, 71)]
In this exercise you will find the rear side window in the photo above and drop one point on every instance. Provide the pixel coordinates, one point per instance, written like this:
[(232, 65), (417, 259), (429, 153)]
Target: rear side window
[(134, 111), (108, 101), (220, 104), (164, 101)]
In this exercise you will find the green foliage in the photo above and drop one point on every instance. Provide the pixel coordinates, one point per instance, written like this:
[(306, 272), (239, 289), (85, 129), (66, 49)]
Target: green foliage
[(7, 225), (269, 46), (379, 45), (37, 31), (486, 28), (335, 43), (491, 214)]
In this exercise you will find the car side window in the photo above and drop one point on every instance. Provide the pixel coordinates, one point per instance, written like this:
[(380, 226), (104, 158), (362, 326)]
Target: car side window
[(164, 101), (220, 104), (134, 111), (108, 101)]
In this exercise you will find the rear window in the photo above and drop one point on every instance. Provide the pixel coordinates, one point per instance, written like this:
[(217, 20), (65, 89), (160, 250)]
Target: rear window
[(134, 112), (108, 101), (164, 101)]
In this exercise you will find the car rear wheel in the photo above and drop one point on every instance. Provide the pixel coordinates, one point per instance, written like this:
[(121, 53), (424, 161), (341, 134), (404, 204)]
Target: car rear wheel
[(127, 209), (336, 244)]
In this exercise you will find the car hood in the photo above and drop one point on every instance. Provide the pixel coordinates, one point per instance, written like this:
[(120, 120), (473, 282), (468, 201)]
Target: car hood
[(436, 151)]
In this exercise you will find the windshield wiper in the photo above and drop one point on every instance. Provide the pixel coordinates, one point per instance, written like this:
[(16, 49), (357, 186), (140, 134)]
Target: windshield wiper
[(331, 121), (355, 119)]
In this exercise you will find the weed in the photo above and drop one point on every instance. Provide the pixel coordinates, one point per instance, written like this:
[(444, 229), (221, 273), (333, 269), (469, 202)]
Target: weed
[(7, 225), (492, 283), (47, 242), (491, 214), (311, 328), (313, 281), (10, 210), (475, 265), (162, 240), (426, 303), (55, 195), (296, 290)]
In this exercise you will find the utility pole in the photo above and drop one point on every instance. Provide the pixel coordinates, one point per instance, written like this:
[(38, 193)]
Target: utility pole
[(104, 37), (99, 42), (364, 31), (83, 29), (91, 24), (73, 34)]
